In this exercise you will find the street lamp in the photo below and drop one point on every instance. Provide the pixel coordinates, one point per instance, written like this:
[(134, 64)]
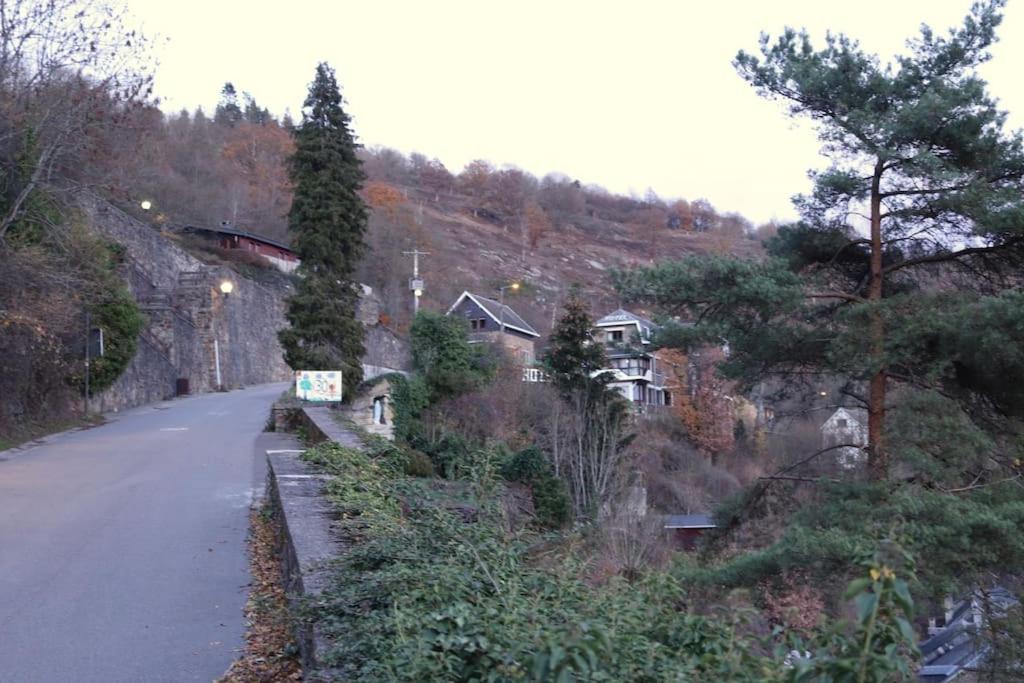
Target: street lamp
[(146, 205), (225, 287)]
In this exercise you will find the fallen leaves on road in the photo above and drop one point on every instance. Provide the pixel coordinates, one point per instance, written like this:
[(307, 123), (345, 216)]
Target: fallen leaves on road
[(271, 654)]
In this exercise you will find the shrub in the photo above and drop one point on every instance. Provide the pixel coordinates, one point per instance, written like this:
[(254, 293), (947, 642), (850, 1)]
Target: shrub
[(419, 464), (550, 497)]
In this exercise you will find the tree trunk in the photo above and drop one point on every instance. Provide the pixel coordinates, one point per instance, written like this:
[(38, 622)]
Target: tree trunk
[(878, 459)]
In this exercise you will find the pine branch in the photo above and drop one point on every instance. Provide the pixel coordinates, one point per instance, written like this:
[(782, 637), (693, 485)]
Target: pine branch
[(953, 255)]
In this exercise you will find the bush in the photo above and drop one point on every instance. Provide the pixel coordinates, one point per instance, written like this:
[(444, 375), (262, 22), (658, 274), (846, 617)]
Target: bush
[(121, 320), (550, 497), (419, 464)]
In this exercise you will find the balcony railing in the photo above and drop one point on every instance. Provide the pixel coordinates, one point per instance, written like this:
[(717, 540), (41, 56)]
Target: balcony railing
[(534, 375)]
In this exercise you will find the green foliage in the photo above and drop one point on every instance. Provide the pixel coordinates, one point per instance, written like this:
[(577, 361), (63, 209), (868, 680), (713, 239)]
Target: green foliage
[(111, 307), (423, 595), (121, 321), (550, 497), (328, 222), (599, 415), (410, 396), (572, 355), (919, 318), (882, 644), (962, 537), (426, 596), (802, 245), (749, 303), (443, 356), (449, 454), (419, 464)]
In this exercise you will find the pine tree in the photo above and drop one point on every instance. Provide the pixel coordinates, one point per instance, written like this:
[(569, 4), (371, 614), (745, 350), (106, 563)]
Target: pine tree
[(573, 357), (228, 113), (918, 150), (328, 221)]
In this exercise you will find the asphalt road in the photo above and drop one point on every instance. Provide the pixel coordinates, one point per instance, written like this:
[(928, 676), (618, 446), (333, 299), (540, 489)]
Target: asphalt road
[(122, 547)]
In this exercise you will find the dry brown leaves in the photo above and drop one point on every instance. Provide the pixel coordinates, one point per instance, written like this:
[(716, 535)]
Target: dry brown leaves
[(270, 653)]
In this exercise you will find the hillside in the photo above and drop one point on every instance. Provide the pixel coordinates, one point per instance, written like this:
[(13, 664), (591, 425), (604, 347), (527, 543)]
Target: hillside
[(466, 251)]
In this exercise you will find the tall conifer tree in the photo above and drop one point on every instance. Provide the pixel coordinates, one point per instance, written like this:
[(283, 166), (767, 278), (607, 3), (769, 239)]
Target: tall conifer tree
[(917, 148), (328, 222)]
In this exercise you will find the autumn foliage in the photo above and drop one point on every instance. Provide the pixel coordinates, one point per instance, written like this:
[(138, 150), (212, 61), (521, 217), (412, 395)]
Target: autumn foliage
[(701, 399)]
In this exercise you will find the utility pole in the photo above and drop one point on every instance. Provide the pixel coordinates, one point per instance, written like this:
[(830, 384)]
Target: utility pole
[(415, 282)]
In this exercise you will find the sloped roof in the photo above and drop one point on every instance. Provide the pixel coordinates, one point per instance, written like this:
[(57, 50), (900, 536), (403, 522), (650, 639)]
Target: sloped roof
[(493, 308), (689, 522), (621, 316), (858, 415), (228, 230)]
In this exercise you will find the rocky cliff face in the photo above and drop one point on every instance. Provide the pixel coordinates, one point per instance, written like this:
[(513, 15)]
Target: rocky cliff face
[(191, 324)]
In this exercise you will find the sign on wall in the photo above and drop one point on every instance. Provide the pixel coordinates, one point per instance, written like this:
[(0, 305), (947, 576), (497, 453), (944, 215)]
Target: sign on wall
[(318, 385)]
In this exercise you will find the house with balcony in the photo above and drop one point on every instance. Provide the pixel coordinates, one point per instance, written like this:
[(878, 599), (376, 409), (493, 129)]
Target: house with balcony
[(495, 322), (636, 371)]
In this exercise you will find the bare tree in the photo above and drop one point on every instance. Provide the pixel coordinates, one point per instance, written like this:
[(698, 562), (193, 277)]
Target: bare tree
[(66, 68)]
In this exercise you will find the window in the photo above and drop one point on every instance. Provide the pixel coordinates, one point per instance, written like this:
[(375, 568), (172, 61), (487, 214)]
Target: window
[(668, 398), (841, 423), (615, 336), (478, 323)]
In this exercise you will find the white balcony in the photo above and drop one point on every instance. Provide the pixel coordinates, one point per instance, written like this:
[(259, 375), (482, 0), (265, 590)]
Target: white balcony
[(534, 375)]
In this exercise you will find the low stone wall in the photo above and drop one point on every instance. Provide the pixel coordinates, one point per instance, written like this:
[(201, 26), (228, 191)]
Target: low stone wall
[(296, 492), (307, 545)]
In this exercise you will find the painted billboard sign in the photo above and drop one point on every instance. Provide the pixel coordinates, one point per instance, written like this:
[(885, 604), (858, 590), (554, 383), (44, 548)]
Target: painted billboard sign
[(318, 385)]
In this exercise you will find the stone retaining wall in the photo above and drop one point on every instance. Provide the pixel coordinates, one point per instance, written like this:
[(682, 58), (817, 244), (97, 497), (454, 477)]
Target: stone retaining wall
[(308, 543)]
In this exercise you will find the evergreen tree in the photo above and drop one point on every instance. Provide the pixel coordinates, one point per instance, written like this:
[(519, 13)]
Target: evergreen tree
[(922, 313), (228, 113), (328, 221), (443, 356), (572, 356), (593, 465), (256, 114), (918, 149)]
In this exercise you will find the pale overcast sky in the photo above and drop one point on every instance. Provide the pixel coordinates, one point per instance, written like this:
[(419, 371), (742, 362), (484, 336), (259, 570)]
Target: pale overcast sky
[(625, 95)]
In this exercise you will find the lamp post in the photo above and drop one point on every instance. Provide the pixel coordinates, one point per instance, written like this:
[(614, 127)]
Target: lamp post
[(225, 287)]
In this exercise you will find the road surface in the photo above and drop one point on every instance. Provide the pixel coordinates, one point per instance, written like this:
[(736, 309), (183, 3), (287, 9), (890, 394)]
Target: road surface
[(122, 548)]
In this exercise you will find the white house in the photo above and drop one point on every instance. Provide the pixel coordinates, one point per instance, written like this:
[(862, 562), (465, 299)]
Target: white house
[(846, 426), (635, 371)]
